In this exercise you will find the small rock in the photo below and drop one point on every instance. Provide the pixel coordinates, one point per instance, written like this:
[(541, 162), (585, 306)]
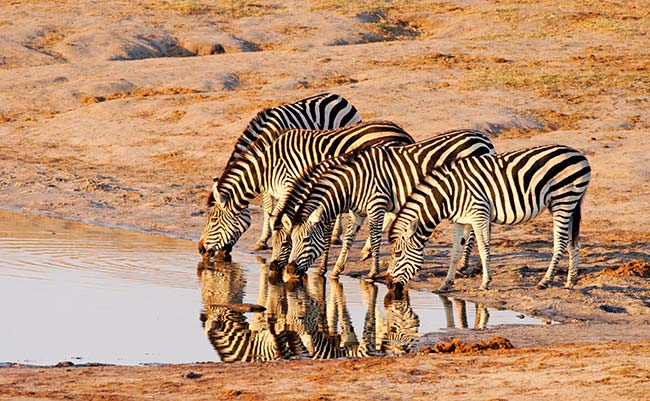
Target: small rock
[(612, 309), (64, 364), (193, 375)]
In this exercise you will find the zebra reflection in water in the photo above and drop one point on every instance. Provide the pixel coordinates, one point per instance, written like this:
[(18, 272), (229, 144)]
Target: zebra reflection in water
[(481, 313), (296, 319)]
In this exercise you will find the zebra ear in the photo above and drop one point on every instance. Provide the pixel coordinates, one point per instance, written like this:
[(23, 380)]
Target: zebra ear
[(411, 229), (315, 216), (215, 179), (286, 222), (219, 199)]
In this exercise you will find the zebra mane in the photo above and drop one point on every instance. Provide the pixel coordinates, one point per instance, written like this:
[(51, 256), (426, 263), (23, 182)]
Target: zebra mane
[(210, 200), (408, 214), (254, 128), (299, 189), (248, 138)]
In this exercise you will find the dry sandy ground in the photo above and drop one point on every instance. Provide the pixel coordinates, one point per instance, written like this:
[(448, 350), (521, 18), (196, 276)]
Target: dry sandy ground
[(106, 116)]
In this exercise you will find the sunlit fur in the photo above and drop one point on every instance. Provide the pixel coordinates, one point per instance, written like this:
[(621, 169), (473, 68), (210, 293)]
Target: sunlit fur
[(509, 188), (271, 167), (320, 112), (371, 183)]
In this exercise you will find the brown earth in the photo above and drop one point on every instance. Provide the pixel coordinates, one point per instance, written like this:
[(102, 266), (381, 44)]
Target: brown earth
[(107, 116)]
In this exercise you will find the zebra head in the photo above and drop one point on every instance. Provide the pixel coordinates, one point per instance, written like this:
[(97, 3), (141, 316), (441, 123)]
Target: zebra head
[(408, 256), (223, 227), (308, 243), (281, 241)]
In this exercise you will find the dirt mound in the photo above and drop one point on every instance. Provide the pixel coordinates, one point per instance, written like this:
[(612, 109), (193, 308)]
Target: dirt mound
[(633, 268), (456, 346)]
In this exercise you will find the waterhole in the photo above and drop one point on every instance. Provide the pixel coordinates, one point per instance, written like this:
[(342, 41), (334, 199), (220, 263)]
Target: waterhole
[(88, 294)]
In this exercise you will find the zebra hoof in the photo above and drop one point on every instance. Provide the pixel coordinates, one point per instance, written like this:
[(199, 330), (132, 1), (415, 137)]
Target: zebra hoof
[(261, 246), (569, 285), (336, 241), (446, 286), (334, 275), (365, 254), (542, 285), (484, 287)]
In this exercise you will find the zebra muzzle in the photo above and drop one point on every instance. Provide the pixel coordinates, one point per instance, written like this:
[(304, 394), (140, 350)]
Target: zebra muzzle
[(276, 266), (292, 269), (395, 289), (207, 253)]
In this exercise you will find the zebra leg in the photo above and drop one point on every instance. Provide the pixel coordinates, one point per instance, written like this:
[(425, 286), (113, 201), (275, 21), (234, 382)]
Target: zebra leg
[(327, 234), (388, 220), (482, 232), (375, 222), (267, 205), (456, 252), (561, 223), (574, 256), (350, 235), (574, 245), (337, 230), (464, 267)]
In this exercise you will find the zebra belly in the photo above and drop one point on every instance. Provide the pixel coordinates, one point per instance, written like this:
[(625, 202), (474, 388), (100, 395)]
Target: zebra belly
[(518, 216), (500, 216)]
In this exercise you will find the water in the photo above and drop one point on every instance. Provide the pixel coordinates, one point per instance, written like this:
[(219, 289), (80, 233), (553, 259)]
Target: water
[(88, 294)]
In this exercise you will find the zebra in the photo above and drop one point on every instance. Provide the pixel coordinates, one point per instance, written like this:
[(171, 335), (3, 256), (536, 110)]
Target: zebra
[(367, 182), (508, 188), (270, 168), (320, 112)]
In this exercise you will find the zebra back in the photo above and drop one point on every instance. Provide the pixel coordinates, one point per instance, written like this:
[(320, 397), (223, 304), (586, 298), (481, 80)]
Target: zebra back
[(299, 188), (320, 112), (296, 150), (400, 169), (514, 187)]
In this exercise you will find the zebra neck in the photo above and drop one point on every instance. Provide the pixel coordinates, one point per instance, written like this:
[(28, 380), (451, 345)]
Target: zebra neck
[(428, 204), (330, 199), (243, 181)]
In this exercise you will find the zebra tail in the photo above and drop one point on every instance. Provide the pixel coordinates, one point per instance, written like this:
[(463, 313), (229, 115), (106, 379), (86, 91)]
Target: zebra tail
[(575, 223)]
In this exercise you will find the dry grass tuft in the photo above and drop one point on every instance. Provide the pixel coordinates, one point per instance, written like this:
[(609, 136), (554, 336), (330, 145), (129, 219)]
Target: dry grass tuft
[(137, 93), (575, 79), (436, 60), (232, 9)]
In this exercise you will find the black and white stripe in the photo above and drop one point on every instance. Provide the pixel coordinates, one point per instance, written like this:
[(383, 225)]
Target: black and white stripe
[(270, 168), (368, 183), (509, 188), (320, 112)]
